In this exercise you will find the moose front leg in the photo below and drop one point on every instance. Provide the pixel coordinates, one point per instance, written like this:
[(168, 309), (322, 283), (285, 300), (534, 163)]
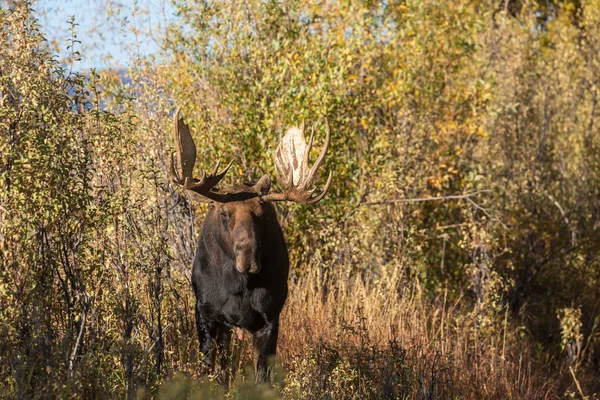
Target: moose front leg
[(265, 345), (214, 339), (223, 357), (207, 335)]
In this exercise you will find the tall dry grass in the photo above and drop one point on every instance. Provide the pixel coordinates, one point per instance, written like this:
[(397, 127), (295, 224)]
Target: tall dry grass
[(344, 336), (347, 336)]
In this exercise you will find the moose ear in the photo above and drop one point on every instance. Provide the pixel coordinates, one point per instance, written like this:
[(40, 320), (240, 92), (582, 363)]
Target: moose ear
[(263, 185)]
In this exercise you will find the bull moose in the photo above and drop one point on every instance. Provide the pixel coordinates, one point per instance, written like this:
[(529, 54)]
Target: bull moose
[(241, 266)]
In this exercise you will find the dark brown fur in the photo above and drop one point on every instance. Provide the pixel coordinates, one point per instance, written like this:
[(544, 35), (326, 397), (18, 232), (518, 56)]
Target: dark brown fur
[(240, 277)]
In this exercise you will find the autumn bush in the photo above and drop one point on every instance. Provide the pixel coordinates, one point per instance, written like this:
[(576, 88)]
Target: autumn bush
[(455, 256)]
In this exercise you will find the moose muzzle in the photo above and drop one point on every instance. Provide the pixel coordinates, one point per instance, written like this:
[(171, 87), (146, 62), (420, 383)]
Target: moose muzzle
[(247, 258), (246, 262)]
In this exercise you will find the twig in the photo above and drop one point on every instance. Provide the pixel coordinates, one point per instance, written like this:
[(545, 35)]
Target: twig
[(79, 336), (577, 383), (466, 196), (564, 215), (156, 341), (420, 199), (444, 227), (483, 210)]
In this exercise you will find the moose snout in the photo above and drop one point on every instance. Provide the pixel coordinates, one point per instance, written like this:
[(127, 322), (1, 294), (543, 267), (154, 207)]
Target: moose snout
[(246, 260)]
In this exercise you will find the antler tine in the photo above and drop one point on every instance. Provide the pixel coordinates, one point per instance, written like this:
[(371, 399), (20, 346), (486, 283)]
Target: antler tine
[(306, 182), (324, 192), (222, 174), (208, 181), (321, 157), (186, 149), (216, 167)]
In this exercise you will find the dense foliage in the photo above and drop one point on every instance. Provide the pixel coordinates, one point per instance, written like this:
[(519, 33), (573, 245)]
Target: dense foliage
[(455, 256)]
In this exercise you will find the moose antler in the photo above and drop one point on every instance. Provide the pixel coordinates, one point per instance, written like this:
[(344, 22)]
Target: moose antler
[(291, 167), (186, 155)]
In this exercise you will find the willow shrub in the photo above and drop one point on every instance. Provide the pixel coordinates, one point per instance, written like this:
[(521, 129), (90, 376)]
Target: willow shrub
[(424, 99), (541, 159), (83, 246)]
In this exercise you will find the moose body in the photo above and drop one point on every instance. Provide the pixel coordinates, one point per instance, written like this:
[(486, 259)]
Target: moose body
[(241, 265), (238, 236)]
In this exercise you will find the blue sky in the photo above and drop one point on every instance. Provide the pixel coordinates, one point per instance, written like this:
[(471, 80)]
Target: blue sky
[(112, 32)]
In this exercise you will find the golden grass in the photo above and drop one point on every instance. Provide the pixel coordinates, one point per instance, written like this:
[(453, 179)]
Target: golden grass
[(386, 339)]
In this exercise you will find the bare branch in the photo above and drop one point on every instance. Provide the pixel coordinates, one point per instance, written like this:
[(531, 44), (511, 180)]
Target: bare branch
[(420, 199), (466, 196), (85, 299), (566, 219)]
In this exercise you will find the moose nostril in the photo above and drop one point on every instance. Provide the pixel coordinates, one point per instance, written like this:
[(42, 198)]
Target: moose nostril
[(246, 260)]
